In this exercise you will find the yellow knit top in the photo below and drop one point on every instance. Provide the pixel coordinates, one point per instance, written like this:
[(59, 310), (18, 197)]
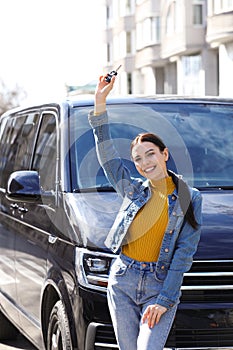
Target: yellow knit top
[(146, 232)]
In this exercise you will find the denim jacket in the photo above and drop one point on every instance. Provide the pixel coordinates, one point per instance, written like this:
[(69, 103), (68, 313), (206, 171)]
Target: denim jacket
[(180, 239)]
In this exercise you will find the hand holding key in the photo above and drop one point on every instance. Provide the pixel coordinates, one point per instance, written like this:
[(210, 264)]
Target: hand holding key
[(103, 88), (111, 74)]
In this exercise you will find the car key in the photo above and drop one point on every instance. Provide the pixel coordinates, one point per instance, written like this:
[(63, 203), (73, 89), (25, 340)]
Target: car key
[(111, 74)]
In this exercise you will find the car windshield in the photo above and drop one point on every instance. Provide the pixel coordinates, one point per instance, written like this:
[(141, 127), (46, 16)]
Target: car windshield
[(199, 137)]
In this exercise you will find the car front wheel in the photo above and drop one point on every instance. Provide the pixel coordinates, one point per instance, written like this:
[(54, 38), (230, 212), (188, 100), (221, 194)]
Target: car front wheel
[(58, 337)]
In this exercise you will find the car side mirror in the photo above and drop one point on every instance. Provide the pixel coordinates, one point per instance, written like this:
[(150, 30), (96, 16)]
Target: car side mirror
[(24, 184)]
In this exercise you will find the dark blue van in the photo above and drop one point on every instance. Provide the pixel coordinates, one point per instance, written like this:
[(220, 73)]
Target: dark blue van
[(56, 208)]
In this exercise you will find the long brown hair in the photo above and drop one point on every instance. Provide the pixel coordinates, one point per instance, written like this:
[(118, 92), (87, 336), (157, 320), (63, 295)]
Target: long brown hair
[(181, 186)]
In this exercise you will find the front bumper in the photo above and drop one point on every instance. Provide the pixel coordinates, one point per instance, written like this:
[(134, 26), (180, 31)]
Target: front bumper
[(192, 329)]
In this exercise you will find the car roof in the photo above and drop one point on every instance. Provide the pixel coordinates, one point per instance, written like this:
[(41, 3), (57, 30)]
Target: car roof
[(153, 99), (87, 100)]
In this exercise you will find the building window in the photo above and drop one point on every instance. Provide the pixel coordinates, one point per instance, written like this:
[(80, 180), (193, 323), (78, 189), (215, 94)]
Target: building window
[(129, 83), (148, 32), (198, 12), (171, 19), (127, 7), (220, 6), (155, 29), (230, 4), (124, 44), (107, 13), (128, 43), (151, 30), (192, 75), (139, 37), (108, 16), (109, 53)]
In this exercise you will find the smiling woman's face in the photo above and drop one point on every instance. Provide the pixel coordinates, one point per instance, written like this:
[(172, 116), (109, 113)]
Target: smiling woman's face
[(149, 160)]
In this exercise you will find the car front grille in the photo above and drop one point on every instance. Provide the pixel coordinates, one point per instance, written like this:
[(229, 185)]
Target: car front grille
[(199, 338), (209, 281), (105, 338), (178, 338)]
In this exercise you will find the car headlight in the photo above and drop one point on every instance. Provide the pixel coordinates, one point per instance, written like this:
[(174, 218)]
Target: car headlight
[(93, 268)]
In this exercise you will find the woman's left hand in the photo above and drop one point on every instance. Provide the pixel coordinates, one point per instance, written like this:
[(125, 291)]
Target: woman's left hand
[(153, 314)]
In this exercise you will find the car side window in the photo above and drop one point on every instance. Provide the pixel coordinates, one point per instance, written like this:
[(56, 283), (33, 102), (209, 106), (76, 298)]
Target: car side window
[(5, 162), (45, 154), (16, 144), (26, 142)]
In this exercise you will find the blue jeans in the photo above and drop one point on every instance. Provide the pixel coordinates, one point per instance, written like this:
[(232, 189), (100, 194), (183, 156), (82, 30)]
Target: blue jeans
[(132, 287)]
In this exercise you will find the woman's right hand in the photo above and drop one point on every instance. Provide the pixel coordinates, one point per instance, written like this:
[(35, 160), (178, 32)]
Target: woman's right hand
[(103, 88), (153, 314)]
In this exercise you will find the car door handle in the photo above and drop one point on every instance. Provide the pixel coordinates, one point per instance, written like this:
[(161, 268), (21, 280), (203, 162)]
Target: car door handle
[(52, 239), (22, 210), (14, 206)]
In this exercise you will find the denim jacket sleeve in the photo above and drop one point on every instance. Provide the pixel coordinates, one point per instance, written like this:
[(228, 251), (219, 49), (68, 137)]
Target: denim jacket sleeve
[(186, 246), (117, 174)]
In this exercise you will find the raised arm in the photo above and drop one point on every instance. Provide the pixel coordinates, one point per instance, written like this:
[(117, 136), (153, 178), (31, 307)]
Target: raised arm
[(103, 88), (117, 173)]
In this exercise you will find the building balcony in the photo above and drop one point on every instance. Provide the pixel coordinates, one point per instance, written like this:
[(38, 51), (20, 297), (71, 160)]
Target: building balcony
[(186, 42), (148, 56), (220, 29)]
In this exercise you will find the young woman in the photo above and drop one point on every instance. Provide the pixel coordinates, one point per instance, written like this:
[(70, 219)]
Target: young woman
[(157, 231)]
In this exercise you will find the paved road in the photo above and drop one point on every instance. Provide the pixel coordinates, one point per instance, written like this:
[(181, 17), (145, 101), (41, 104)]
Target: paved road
[(22, 344), (19, 344)]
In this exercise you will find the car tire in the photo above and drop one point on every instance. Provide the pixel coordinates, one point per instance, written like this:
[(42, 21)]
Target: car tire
[(58, 336), (7, 329)]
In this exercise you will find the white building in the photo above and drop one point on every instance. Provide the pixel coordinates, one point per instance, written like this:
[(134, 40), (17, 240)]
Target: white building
[(171, 46)]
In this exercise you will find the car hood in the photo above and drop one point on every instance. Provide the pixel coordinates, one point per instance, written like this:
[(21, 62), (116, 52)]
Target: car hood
[(217, 228), (91, 216)]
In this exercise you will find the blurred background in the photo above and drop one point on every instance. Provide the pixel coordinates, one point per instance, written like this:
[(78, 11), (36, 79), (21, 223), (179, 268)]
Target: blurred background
[(51, 49)]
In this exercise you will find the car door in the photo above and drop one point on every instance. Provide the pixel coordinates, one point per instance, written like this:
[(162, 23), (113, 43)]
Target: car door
[(16, 130), (33, 233)]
